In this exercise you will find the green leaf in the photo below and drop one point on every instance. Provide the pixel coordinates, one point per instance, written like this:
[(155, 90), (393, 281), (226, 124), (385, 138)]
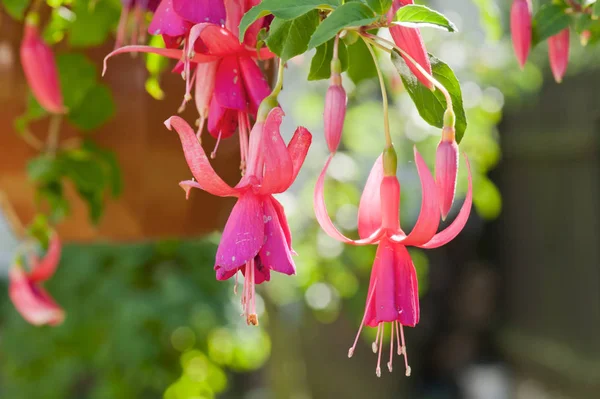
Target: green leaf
[(596, 10), (94, 22), (58, 24), (15, 8), (380, 6), (320, 66), (40, 230), (360, 63), (350, 14), (419, 16), (53, 194), (289, 38), (432, 104), (43, 169), (77, 76), (109, 163), (33, 112), (95, 109), (283, 9), (548, 21)]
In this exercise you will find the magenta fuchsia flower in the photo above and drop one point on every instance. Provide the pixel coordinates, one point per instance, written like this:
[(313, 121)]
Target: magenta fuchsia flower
[(229, 85), (393, 289), (256, 239), (30, 299), (39, 66), (558, 52), (520, 27), (410, 40)]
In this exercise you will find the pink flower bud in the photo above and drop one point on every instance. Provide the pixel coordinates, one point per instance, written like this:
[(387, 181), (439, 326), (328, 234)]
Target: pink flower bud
[(558, 51), (410, 40), (446, 171), (520, 27), (335, 112), (40, 70)]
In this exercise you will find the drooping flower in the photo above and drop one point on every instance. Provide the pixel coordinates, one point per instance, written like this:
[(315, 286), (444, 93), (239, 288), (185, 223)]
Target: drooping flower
[(232, 87), (446, 169), (30, 299), (132, 28), (558, 52), (393, 289), (410, 40), (39, 65), (256, 238), (520, 27)]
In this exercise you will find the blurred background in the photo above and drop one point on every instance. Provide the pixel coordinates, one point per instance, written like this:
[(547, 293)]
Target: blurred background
[(509, 309)]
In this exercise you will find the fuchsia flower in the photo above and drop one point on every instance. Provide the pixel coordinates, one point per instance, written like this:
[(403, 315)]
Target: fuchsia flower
[(40, 69), (520, 27), (393, 290), (446, 170), (410, 40), (229, 84), (30, 299), (558, 52), (256, 238)]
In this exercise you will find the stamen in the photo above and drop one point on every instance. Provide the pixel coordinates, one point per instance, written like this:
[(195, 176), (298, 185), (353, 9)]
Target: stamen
[(201, 122), (243, 136), (408, 369), (362, 323), (213, 154), (391, 346), (374, 344), (235, 285), (122, 29), (378, 369), (398, 338), (252, 317)]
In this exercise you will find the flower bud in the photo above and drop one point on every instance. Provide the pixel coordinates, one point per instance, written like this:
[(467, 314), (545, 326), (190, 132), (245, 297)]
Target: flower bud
[(335, 112), (558, 51), (39, 66), (520, 27), (446, 170)]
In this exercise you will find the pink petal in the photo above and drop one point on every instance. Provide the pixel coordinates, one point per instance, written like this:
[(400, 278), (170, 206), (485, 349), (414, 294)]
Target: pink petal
[(450, 232), (196, 158), (520, 28), (205, 86), (429, 217), (283, 222), (257, 87), (224, 274), (382, 307), (43, 269), (221, 121), (39, 66), (229, 89), (278, 167), (407, 287), (197, 11), (187, 186), (324, 219), (275, 253), (369, 210), (244, 233), (558, 52), (410, 40), (235, 11), (390, 204), (218, 40), (167, 22), (33, 302), (176, 54), (298, 148)]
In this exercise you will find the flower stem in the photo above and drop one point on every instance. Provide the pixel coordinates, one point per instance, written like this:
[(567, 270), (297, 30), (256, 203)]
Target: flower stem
[(53, 133), (30, 139), (386, 119), (433, 80), (279, 83)]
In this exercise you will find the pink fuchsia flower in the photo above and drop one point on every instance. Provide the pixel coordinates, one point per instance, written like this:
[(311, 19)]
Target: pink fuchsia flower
[(30, 299), (393, 290), (446, 170), (39, 66), (335, 108), (558, 52), (410, 40), (520, 27), (256, 239)]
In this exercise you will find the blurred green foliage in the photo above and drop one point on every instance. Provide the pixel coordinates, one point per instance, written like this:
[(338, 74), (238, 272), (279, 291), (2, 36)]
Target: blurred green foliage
[(140, 318)]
